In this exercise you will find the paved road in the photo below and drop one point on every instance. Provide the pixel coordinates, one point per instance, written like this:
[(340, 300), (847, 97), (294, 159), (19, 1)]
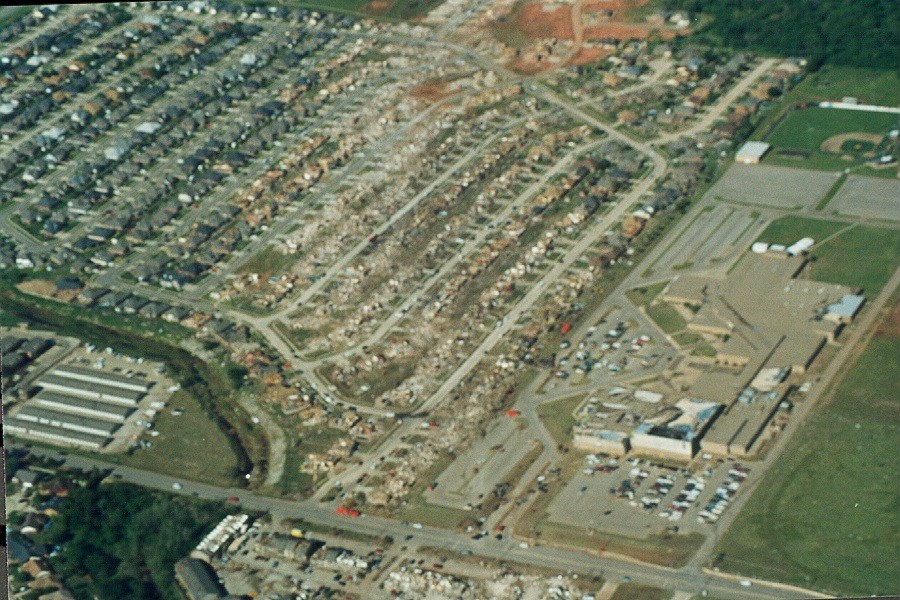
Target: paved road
[(718, 108), (625, 203), (689, 580)]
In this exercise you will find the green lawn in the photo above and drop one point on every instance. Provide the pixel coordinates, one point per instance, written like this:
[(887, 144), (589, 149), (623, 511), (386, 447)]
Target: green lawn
[(869, 86), (807, 129), (686, 338), (826, 516), (643, 296), (635, 591), (788, 230), (268, 261), (310, 440), (705, 350), (557, 417), (175, 452), (863, 256), (668, 319)]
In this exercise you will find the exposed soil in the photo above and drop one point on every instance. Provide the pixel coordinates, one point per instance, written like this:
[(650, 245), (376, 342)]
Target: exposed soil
[(38, 287), (617, 6), (588, 55), (537, 23), (624, 31), (889, 326), (431, 91), (378, 7)]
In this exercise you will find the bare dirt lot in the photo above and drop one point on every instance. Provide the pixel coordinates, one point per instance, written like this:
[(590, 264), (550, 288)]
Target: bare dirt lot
[(431, 91), (537, 22), (38, 287), (779, 187), (890, 326), (868, 197)]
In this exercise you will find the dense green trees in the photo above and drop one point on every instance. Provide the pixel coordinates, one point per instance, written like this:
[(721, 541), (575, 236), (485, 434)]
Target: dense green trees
[(859, 33), (122, 541)]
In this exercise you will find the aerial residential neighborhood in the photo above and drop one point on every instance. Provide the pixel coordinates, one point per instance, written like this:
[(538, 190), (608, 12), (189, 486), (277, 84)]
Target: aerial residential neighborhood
[(583, 299)]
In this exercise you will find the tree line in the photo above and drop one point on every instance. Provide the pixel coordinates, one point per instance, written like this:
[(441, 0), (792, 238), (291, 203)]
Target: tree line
[(860, 33)]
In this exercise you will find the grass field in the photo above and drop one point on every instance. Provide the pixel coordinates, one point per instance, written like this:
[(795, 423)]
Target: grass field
[(309, 440), (869, 86), (643, 296), (788, 230), (826, 515), (686, 338), (267, 262), (807, 129), (635, 591), (175, 452), (557, 417), (668, 319), (861, 256)]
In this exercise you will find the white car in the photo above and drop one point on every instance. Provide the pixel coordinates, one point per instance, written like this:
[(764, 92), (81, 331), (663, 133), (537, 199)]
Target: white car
[(746, 582), (417, 526), (176, 486)]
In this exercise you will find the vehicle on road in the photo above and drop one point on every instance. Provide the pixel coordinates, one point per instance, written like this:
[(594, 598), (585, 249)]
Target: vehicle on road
[(176, 486), (746, 582)]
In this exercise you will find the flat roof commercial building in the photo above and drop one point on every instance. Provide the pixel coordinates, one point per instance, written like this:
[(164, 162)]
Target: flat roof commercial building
[(614, 443), (751, 153), (676, 432), (738, 431)]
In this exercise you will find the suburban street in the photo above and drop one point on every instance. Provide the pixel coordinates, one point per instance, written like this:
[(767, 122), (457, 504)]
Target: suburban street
[(689, 579), (502, 183)]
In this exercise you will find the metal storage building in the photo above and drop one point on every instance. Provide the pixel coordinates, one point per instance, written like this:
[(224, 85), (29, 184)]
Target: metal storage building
[(81, 406), (102, 378), (92, 391), (67, 421), (75, 438)]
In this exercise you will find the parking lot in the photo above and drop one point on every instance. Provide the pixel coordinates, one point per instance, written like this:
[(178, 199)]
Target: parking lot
[(778, 187), (627, 496), (714, 237), (868, 197), (622, 345)]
